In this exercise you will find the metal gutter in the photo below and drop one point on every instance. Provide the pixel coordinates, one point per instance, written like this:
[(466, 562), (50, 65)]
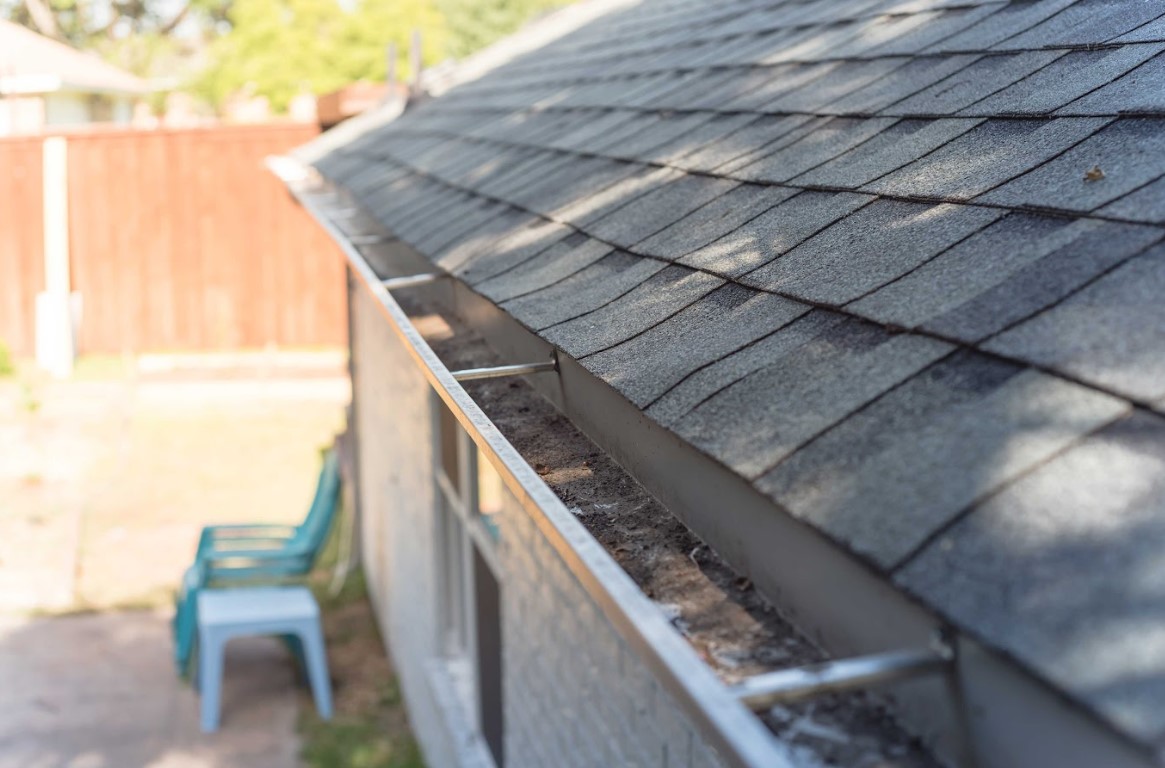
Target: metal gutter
[(739, 738)]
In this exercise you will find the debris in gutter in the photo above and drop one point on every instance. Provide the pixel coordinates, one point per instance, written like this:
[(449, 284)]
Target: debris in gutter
[(725, 619)]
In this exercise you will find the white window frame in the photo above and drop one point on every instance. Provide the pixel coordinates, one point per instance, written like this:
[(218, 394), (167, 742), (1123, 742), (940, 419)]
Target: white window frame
[(460, 529)]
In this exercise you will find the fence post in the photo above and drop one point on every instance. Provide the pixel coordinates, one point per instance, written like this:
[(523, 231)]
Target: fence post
[(415, 60), (55, 347), (390, 73)]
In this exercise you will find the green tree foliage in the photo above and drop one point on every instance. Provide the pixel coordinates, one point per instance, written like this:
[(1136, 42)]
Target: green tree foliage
[(474, 24), (147, 37), (85, 23), (273, 48), (278, 48), (374, 24)]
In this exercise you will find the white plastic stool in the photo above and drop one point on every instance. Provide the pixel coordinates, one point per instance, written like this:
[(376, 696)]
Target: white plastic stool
[(229, 613)]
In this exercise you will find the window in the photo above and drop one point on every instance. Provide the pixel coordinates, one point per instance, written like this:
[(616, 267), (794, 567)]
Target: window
[(489, 495), (470, 495), (487, 599)]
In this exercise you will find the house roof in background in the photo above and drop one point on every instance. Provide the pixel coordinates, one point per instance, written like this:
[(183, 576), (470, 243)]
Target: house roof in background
[(898, 263), (32, 63)]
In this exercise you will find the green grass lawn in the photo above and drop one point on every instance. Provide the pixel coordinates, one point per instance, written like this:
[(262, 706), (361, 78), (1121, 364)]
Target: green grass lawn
[(370, 728)]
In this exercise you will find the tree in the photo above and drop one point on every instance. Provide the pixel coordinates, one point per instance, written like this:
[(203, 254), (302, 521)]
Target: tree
[(474, 24), (275, 48), (86, 22), (272, 48), (374, 24)]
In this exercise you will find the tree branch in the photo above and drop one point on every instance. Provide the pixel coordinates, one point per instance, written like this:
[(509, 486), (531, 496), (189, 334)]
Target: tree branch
[(168, 27), (42, 16)]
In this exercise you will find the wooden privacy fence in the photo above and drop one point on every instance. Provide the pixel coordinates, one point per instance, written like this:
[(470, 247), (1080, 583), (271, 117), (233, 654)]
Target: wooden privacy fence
[(178, 240)]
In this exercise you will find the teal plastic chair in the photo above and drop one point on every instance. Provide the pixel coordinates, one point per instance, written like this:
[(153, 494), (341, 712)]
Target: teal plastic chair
[(250, 555)]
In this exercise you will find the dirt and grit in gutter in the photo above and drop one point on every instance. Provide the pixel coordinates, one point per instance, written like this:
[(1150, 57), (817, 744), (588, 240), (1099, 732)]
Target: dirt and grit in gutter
[(736, 631)]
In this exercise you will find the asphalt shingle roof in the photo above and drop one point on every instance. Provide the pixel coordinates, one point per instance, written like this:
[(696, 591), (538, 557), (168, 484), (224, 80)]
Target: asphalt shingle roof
[(895, 262)]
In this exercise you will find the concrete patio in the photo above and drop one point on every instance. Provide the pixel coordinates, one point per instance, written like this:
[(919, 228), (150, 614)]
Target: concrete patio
[(105, 482), (99, 691)]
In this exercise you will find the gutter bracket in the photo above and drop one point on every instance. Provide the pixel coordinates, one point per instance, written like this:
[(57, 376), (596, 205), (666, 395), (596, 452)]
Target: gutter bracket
[(762, 692), (500, 371)]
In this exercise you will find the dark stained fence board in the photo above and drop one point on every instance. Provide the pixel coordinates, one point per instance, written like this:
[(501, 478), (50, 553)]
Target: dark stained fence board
[(179, 240), (21, 241)]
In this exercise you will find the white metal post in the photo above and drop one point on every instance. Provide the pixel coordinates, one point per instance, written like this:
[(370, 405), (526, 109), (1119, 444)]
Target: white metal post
[(54, 308)]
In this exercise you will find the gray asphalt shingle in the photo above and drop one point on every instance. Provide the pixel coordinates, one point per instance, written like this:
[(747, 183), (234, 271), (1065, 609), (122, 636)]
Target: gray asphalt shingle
[(811, 382), (558, 262), (899, 84), (711, 222), (584, 291), (846, 78), (648, 304), (1009, 20), (931, 30), (967, 270), (825, 142), (1138, 91), (1011, 270), (984, 157), (818, 43), (758, 133), (700, 385), (655, 210), (972, 83), (1152, 31), (1130, 153), (746, 81), (514, 246), (779, 81), (1110, 334), (512, 183), (727, 319), (889, 476), (708, 133), (587, 205), (669, 128), (1062, 570), (1086, 22), (774, 232), (499, 222), (594, 127), (901, 143), (1145, 204), (881, 242), (1069, 78)]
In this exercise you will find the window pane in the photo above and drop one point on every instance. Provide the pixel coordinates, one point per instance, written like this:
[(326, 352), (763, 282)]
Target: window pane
[(453, 617), (450, 430), (490, 493), (489, 656), (489, 487)]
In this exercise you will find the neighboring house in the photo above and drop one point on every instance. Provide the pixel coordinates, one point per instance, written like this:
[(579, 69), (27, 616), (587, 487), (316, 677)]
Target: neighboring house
[(46, 84), (867, 294)]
